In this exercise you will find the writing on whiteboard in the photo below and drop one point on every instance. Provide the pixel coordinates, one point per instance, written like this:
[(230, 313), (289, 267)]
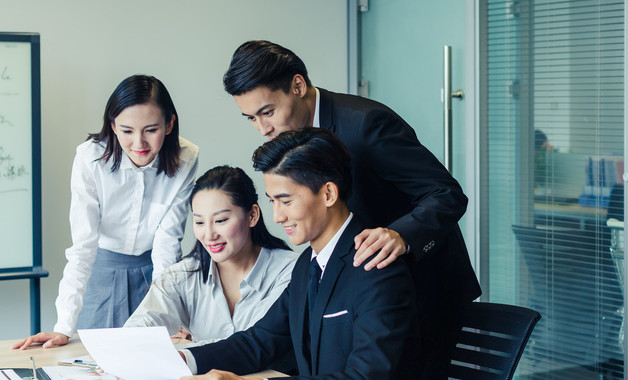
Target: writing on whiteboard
[(9, 170), (5, 74), (5, 121)]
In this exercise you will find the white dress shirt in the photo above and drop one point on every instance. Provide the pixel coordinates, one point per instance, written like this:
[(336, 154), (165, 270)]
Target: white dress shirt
[(179, 298), (324, 255), (129, 211), (316, 121)]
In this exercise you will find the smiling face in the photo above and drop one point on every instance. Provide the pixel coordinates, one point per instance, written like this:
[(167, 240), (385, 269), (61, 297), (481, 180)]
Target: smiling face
[(141, 130), (273, 112), (304, 215), (223, 228)]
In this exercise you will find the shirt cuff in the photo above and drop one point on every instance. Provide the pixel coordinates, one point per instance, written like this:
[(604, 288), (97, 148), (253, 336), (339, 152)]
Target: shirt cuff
[(190, 361), (65, 331)]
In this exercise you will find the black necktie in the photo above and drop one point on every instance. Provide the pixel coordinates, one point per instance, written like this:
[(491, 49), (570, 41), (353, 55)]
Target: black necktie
[(312, 285)]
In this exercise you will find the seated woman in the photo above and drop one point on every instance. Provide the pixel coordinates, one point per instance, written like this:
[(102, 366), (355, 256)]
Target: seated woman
[(233, 275)]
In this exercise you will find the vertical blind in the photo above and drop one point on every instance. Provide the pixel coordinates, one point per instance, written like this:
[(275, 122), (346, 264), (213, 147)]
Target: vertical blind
[(553, 122)]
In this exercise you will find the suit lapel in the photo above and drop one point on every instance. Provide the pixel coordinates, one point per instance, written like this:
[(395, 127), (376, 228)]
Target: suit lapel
[(332, 272), (298, 306), (325, 113)]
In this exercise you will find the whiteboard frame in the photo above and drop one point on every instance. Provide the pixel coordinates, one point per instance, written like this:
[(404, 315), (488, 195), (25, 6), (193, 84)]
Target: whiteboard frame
[(36, 272), (35, 169)]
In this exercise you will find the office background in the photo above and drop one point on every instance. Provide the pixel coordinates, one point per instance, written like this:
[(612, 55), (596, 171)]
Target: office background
[(537, 221), (87, 48)]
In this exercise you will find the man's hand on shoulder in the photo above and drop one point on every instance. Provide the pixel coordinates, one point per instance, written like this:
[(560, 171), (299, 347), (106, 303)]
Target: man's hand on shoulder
[(388, 245), (214, 374)]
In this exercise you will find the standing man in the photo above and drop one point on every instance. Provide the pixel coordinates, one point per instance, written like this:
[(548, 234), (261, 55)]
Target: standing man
[(407, 199)]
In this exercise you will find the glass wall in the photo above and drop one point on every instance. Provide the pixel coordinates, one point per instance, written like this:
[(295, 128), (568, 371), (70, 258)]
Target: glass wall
[(552, 122)]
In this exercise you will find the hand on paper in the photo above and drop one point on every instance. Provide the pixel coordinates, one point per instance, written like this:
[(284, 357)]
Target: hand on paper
[(48, 339), (182, 334), (368, 242), (215, 374)]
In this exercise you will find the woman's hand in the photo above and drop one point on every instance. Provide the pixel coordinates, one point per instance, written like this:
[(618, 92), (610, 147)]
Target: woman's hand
[(182, 334), (48, 339)]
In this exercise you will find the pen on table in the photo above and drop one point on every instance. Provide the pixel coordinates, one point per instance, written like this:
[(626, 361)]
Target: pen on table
[(34, 369), (81, 363)]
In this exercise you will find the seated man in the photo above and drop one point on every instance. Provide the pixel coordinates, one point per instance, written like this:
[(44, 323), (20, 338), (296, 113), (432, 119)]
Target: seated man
[(339, 320)]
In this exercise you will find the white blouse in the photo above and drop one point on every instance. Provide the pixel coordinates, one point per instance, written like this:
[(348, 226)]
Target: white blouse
[(179, 298), (129, 211)]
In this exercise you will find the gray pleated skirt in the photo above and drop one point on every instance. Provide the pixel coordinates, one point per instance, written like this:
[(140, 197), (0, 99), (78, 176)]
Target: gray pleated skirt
[(115, 289)]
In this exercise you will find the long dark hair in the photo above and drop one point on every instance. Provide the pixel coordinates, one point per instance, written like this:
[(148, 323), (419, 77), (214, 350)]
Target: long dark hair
[(239, 187), (134, 90)]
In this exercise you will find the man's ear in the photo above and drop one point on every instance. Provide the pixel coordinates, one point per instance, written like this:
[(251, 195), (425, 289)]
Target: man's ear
[(330, 193), (299, 86), (254, 215)]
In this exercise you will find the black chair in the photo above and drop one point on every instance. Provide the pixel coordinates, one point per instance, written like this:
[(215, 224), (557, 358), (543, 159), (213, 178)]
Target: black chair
[(568, 275), (491, 342)]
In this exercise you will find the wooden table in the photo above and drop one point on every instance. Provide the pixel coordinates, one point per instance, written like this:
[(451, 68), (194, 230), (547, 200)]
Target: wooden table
[(51, 356), (43, 356)]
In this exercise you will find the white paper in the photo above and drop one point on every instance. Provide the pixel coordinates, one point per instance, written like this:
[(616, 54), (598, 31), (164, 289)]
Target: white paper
[(135, 353), (66, 372), (10, 374)]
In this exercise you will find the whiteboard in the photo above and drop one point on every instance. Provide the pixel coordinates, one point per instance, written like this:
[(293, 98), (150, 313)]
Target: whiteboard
[(20, 183)]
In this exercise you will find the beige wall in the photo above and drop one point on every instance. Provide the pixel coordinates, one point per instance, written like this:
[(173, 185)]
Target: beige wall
[(88, 47)]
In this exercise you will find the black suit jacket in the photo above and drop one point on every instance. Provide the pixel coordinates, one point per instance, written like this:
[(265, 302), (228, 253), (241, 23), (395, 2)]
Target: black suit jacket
[(399, 184), (362, 322)]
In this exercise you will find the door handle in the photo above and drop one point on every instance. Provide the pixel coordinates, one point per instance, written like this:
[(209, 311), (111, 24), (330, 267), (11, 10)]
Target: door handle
[(446, 96)]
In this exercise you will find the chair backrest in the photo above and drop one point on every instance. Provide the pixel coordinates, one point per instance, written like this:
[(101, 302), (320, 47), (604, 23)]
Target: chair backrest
[(491, 342)]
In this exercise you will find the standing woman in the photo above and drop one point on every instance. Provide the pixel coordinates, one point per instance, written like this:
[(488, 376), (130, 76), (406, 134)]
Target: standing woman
[(130, 185)]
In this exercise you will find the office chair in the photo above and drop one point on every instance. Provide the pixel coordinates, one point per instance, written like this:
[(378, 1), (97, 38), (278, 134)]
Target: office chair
[(491, 342), (571, 279)]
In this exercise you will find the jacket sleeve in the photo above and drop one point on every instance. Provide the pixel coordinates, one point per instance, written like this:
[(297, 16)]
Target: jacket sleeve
[(393, 151)]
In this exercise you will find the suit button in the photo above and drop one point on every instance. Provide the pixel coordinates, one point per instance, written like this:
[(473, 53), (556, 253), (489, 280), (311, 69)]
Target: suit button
[(428, 246)]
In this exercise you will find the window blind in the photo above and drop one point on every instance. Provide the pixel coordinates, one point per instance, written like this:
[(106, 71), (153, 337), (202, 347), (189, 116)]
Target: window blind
[(553, 126)]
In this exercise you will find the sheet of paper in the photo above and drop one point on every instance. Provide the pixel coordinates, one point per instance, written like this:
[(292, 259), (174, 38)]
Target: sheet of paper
[(9, 374), (135, 353), (75, 373)]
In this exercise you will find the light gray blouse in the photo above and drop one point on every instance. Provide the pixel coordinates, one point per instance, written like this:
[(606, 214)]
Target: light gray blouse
[(179, 298)]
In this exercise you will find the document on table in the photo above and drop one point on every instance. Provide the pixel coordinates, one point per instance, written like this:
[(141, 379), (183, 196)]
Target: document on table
[(9, 374), (66, 372), (135, 353)]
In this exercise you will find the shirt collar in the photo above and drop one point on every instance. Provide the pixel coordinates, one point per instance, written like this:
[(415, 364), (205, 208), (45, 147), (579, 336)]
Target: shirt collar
[(126, 163), (213, 276), (255, 276), (324, 255), (316, 122)]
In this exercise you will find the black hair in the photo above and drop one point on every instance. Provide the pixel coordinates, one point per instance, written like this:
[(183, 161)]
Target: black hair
[(240, 188), (539, 139), (262, 63), (310, 157), (134, 90)]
